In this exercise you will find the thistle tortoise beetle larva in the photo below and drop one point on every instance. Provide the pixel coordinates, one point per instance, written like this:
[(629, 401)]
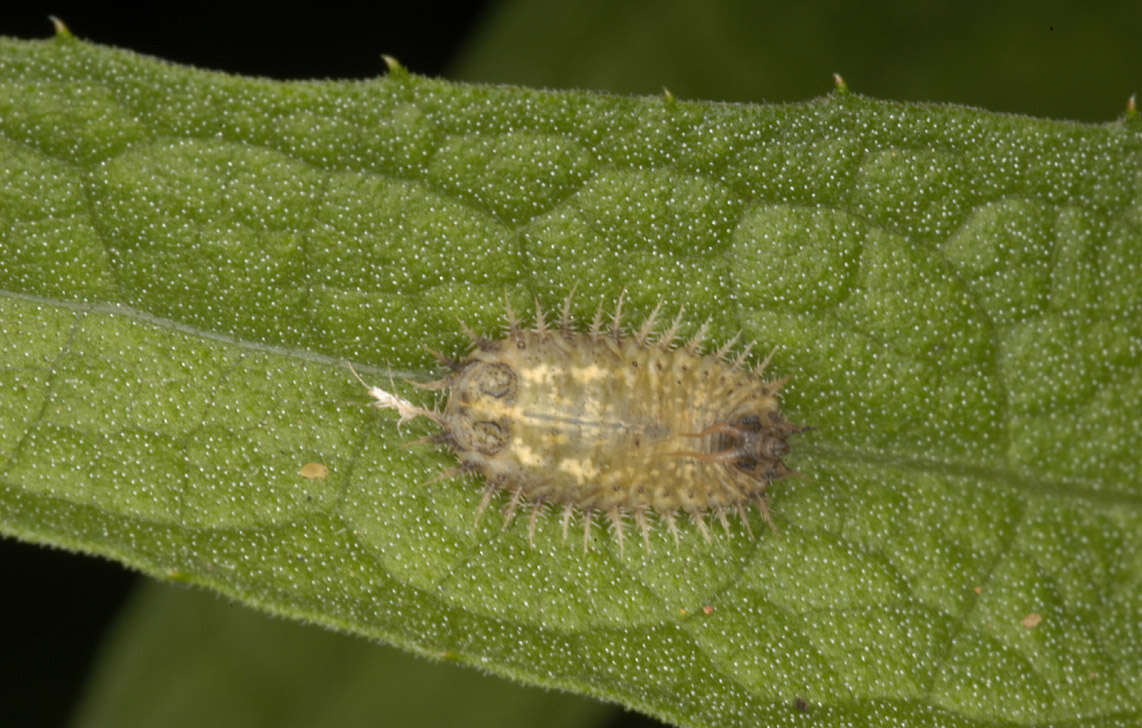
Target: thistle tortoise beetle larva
[(607, 423)]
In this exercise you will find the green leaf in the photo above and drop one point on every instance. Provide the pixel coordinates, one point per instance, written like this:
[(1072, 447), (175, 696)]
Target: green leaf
[(189, 258), (185, 658)]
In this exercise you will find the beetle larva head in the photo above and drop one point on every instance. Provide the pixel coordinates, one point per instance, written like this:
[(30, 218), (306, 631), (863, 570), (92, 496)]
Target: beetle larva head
[(755, 444)]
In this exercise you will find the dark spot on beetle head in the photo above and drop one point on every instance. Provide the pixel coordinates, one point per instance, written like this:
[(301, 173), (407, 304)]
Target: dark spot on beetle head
[(749, 422), (494, 379), (747, 464), (485, 437)]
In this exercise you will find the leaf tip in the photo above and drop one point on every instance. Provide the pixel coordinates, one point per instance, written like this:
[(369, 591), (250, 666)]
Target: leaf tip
[(61, 29), (840, 84), (394, 66), (668, 95), (1132, 108)]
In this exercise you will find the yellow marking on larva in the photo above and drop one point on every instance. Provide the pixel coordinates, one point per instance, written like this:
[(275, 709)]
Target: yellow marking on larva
[(498, 410), (541, 375), (601, 423), (583, 471), (588, 375), (525, 454)]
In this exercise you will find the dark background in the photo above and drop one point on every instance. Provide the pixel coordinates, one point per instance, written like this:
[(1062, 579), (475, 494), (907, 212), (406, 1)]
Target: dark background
[(298, 41)]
